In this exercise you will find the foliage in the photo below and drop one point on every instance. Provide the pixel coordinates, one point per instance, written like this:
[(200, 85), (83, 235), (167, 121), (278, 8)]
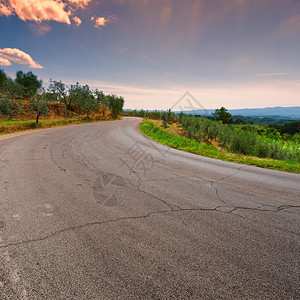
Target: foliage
[(254, 140), (8, 107), (102, 101), (291, 128), (183, 143), (115, 104), (262, 120), (39, 105), (100, 98), (83, 97), (57, 90), (13, 89), (26, 88), (3, 80), (29, 82), (223, 115)]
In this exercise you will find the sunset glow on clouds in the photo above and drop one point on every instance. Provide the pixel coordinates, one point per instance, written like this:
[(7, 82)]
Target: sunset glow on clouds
[(100, 21), (158, 49), (80, 3), (8, 55), (77, 20), (4, 10), (39, 28), (39, 10), (43, 10)]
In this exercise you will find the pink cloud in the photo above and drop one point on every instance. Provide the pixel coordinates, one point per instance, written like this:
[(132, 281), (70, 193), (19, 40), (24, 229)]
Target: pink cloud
[(272, 74), (289, 25), (43, 10), (4, 10), (4, 62), (77, 20), (100, 21), (8, 55), (40, 29), (39, 10), (80, 3)]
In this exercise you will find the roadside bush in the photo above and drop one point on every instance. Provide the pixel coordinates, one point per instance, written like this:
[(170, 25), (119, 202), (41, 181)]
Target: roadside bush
[(8, 107), (252, 140), (242, 142)]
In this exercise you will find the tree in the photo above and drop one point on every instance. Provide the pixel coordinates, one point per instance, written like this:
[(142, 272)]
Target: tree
[(13, 89), (29, 82), (9, 107), (74, 94), (100, 97), (10, 87), (87, 101), (39, 104), (58, 89), (101, 100), (223, 115), (115, 104), (84, 98), (3, 79)]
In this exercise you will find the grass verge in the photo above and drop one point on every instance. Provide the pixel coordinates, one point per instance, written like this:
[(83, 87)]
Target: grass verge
[(7, 127), (155, 132)]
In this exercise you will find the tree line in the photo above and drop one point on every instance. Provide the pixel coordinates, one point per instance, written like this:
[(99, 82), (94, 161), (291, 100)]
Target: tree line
[(261, 141), (27, 87)]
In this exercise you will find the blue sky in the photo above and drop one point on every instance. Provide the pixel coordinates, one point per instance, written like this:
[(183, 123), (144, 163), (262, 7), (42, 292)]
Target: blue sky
[(232, 53)]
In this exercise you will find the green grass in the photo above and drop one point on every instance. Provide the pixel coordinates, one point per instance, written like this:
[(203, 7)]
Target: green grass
[(155, 132)]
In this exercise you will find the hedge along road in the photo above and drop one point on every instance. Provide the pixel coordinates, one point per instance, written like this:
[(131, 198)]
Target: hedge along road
[(99, 211)]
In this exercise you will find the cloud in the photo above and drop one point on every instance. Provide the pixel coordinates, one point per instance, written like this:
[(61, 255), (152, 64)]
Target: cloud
[(289, 25), (40, 29), (4, 62), (43, 10), (4, 10), (77, 20), (80, 3), (39, 10), (100, 22), (271, 74), (8, 55)]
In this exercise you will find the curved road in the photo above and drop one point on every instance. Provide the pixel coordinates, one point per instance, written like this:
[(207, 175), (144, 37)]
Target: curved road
[(98, 211)]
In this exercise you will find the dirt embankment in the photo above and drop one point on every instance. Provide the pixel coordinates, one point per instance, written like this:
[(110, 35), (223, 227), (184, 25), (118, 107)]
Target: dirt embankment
[(55, 117)]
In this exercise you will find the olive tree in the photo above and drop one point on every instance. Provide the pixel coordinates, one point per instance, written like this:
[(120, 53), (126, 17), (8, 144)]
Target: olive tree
[(8, 106), (115, 104), (85, 99), (101, 101), (58, 90), (39, 104), (3, 79), (29, 82)]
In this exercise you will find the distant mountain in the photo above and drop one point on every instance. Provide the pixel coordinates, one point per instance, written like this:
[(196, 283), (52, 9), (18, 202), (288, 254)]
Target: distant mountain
[(274, 112)]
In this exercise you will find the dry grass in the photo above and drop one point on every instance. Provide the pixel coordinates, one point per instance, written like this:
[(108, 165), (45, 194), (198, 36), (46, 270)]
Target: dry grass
[(26, 119)]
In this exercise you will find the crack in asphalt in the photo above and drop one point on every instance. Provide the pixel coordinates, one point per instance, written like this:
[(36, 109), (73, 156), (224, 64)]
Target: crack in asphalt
[(159, 199), (217, 193), (278, 209), (216, 209), (222, 179), (231, 175)]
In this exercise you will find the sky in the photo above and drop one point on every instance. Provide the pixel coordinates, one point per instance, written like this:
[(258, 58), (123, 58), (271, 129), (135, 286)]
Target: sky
[(232, 53)]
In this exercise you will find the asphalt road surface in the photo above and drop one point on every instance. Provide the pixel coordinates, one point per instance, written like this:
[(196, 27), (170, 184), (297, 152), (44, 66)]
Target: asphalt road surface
[(99, 211)]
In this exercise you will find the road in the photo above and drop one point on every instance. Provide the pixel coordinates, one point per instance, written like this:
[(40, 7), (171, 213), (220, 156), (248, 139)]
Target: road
[(99, 211)]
